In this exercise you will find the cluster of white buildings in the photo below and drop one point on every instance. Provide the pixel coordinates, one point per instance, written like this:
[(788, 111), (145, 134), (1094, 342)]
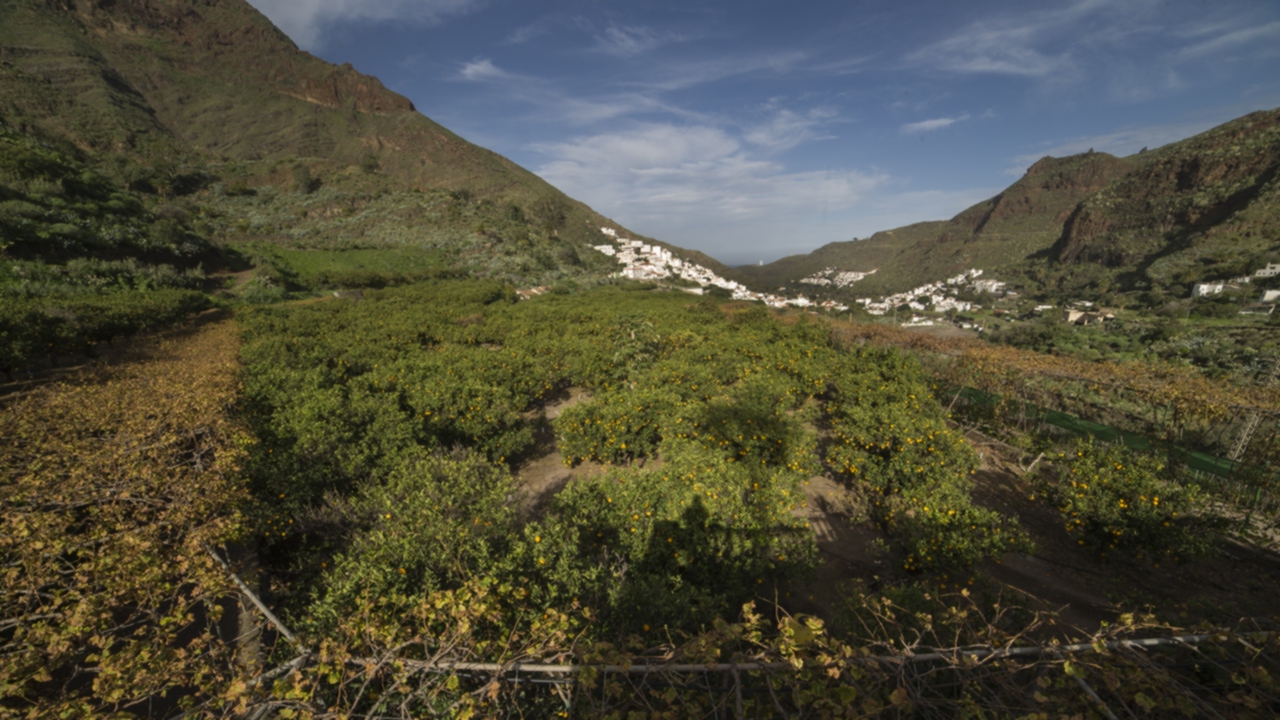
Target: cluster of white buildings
[(938, 294), (1206, 289), (831, 276), (641, 261)]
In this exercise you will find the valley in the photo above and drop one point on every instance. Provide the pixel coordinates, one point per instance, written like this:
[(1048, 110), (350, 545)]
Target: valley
[(312, 408)]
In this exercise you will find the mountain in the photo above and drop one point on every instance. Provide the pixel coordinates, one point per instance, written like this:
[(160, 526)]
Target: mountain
[(1203, 208), (208, 94)]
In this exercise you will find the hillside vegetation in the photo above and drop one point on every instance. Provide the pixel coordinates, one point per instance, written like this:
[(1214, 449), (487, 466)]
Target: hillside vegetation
[(190, 99), (1204, 208)]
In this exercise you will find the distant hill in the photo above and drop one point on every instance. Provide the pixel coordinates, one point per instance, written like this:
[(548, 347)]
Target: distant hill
[(212, 89), (1202, 208)]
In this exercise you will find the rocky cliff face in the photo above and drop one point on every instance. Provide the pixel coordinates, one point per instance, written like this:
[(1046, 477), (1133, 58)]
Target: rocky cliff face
[(1175, 195)]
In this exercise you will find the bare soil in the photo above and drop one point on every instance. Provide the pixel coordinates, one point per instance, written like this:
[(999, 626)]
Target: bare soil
[(543, 473)]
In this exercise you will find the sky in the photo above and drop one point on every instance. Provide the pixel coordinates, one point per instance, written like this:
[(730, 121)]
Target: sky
[(752, 130)]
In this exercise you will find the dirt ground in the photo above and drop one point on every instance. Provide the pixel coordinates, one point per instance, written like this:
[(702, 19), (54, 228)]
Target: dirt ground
[(543, 473)]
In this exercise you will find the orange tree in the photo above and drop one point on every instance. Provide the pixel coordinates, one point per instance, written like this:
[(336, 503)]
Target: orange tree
[(708, 418), (893, 443), (1113, 499)]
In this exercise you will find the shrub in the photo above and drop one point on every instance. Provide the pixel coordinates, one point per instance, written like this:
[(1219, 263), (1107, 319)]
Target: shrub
[(700, 533), (892, 444), (1114, 499)]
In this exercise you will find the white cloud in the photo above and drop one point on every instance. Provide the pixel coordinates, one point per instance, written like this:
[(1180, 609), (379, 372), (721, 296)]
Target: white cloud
[(305, 20), (787, 129), (682, 75), (925, 126), (631, 41), (696, 185), (1002, 51), (482, 70), (1021, 45)]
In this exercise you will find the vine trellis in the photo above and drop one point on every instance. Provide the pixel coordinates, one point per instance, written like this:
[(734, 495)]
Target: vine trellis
[(1215, 431)]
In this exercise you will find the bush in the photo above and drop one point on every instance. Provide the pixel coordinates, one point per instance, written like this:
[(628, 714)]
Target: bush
[(1114, 499), (895, 448), (702, 534), (33, 329)]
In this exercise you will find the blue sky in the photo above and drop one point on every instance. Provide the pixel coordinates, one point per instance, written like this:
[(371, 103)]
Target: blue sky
[(751, 130)]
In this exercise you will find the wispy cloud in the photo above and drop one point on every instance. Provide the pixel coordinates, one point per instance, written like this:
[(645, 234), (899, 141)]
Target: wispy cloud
[(1031, 44), (681, 75), (538, 28), (628, 42), (1002, 51), (1232, 40), (925, 126), (305, 20), (787, 129), (483, 70), (848, 66)]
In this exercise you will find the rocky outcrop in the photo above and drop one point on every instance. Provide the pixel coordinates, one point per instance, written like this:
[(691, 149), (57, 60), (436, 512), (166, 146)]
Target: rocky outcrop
[(1176, 193)]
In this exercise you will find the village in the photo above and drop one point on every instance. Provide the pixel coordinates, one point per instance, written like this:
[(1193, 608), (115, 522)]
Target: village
[(927, 304), (642, 261)]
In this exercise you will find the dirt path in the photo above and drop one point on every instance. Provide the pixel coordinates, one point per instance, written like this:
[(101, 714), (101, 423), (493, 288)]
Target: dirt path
[(847, 550), (544, 474)]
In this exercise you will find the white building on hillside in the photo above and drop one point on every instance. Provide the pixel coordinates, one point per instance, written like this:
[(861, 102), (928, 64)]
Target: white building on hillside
[(1206, 289)]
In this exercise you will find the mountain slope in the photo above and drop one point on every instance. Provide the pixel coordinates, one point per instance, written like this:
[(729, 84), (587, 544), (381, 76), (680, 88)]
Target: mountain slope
[(1204, 208), (1207, 207), (212, 87), (1024, 219)]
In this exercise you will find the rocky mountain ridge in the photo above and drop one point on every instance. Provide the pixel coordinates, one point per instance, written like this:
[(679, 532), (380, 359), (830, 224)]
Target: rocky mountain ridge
[(1204, 208)]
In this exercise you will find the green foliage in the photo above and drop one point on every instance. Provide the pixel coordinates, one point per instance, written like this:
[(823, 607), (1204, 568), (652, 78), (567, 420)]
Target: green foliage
[(426, 527), (700, 532), (360, 230), (352, 398), (1114, 499), (303, 181), (914, 471), (36, 329), (53, 205)]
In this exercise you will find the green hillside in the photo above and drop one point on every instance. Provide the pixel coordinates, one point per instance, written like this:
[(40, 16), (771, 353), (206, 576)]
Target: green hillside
[(211, 102), (1203, 208)]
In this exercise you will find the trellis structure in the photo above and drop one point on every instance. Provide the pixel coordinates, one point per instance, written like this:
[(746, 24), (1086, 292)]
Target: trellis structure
[(1216, 674)]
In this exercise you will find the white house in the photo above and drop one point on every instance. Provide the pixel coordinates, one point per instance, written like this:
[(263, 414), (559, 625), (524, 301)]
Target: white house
[(1271, 270), (1206, 289)]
